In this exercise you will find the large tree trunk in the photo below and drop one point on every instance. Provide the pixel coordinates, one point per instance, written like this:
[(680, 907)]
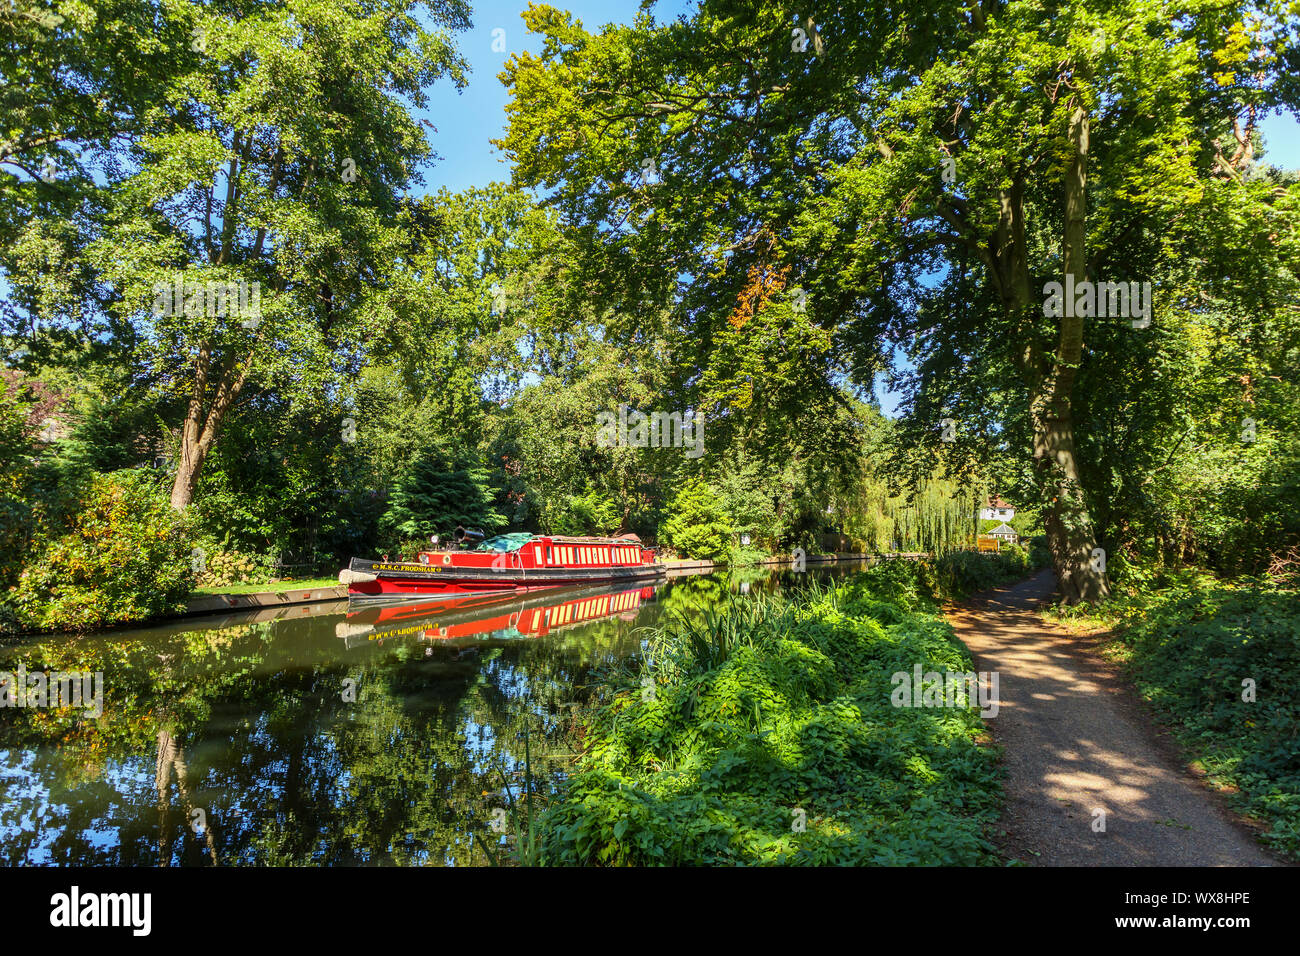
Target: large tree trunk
[(201, 427), (187, 471), (1048, 376), (1080, 573)]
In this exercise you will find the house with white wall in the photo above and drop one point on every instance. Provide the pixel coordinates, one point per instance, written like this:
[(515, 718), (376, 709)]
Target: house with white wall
[(995, 509)]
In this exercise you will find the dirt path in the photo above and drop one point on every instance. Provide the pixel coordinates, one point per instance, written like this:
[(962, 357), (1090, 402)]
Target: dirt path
[(1076, 740)]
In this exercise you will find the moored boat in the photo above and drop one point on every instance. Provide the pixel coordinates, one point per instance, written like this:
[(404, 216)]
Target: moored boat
[(506, 563), (476, 617)]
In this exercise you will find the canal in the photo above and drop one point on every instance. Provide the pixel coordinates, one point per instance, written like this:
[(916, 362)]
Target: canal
[(314, 734)]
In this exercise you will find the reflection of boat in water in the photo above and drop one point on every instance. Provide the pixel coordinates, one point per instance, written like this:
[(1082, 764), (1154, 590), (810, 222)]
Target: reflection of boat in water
[(504, 564), (491, 616)]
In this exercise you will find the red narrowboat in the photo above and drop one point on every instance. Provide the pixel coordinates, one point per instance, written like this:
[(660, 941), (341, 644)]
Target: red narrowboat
[(491, 616), (506, 563)]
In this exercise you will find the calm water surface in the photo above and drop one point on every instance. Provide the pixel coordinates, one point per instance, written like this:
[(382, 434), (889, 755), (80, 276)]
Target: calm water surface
[(311, 735)]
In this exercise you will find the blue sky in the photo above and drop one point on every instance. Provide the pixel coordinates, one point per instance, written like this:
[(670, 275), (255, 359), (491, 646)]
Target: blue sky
[(467, 121)]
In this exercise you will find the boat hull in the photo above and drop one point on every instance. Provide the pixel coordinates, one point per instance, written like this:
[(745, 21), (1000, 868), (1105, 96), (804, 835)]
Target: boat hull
[(387, 579), (481, 617)]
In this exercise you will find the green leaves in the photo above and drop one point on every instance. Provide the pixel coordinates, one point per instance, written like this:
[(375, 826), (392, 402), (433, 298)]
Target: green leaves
[(268, 144), (696, 526), (910, 178), (126, 557), (435, 498), (774, 705)]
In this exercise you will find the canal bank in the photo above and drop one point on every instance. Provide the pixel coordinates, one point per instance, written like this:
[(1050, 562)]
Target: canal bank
[(769, 731), (263, 600), (326, 733), (269, 600)]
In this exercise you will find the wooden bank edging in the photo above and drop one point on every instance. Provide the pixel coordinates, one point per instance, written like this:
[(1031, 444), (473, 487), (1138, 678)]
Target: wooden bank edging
[(216, 603), (219, 603)]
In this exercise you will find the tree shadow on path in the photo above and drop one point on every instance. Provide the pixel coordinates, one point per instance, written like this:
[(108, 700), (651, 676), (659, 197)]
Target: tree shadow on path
[(1080, 753)]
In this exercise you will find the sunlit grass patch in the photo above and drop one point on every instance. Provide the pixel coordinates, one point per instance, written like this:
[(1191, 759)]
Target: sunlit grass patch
[(300, 584)]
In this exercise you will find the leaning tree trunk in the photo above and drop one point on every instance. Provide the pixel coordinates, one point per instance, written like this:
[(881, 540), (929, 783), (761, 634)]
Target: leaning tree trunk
[(201, 425), (1080, 569)]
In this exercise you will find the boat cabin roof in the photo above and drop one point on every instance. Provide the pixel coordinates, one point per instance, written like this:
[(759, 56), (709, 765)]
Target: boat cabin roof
[(515, 540), (505, 542)]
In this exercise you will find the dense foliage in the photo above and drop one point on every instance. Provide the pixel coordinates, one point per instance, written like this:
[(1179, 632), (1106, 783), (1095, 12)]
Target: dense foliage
[(1218, 661), (696, 524), (705, 223), (125, 556), (434, 497), (896, 208), (901, 187), (763, 732)]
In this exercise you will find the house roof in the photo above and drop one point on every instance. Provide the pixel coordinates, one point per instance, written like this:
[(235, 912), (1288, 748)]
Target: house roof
[(996, 502)]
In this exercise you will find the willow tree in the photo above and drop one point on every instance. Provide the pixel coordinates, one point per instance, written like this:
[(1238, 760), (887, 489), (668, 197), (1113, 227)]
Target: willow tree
[(913, 177)]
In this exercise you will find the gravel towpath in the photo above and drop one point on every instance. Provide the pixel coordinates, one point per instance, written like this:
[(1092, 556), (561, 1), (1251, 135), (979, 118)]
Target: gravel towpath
[(1077, 740)]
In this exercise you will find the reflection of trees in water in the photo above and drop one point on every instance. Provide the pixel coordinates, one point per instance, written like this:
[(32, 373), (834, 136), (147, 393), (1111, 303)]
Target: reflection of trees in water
[(248, 724), (171, 761)]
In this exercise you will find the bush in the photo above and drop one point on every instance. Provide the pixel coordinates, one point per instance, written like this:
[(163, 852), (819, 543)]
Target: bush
[(741, 555), (29, 485), (587, 514), (773, 711), (1017, 557), (435, 496), (960, 573), (697, 525), (123, 557), (217, 569)]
